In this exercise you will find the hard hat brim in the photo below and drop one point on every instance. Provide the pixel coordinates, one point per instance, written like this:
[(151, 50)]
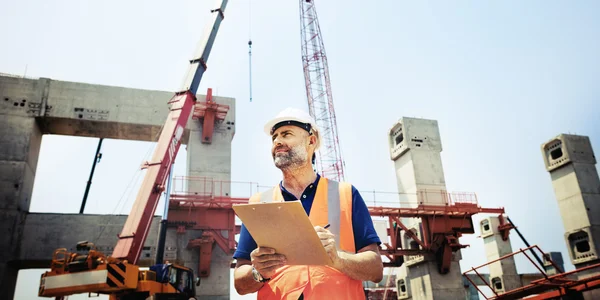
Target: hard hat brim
[(269, 125)]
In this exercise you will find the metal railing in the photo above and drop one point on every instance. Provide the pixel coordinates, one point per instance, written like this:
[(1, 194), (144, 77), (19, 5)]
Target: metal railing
[(211, 188), (422, 197)]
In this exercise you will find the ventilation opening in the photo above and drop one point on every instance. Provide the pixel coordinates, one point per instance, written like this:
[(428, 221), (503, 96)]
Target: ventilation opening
[(580, 243), (485, 225), (414, 245), (582, 246), (556, 153), (399, 138), (497, 283), (401, 286)]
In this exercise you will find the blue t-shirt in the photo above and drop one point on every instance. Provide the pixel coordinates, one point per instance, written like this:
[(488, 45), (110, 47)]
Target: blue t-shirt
[(362, 224)]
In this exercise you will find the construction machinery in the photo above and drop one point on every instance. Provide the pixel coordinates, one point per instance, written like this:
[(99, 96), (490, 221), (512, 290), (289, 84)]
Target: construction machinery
[(318, 92), (87, 270)]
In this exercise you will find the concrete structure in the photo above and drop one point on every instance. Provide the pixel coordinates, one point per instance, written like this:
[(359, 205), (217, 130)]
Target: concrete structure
[(415, 147), (30, 108), (557, 259), (473, 293), (503, 273), (572, 165)]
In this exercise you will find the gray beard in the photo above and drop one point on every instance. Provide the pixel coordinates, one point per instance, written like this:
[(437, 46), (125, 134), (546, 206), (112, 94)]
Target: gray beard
[(294, 158)]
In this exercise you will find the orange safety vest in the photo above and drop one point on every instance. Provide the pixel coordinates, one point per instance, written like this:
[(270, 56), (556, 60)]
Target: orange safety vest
[(332, 205)]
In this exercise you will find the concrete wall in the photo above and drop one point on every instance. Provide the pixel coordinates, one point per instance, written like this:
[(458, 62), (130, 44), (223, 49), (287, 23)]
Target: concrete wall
[(20, 140), (427, 283), (44, 233), (81, 109), (32, 107)]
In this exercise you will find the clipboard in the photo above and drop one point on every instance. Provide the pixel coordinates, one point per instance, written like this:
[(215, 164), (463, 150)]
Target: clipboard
[(285, 227)]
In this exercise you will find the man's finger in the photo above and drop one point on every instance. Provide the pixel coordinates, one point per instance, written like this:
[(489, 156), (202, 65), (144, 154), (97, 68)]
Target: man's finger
[(269, 264), (325, 235), (264, 251), (258, 252), (269, 257)]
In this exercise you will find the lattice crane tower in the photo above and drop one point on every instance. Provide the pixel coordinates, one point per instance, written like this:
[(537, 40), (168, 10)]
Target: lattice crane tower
[(318, 91)]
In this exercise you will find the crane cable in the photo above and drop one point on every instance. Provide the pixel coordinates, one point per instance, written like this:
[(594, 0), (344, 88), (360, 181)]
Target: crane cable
[(250, 46)]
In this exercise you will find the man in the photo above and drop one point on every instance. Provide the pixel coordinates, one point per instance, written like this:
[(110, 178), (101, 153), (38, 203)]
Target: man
[(351, 242)]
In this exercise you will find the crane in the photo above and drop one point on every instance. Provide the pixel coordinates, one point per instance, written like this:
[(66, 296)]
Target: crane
[(118, 275), (318, 92)]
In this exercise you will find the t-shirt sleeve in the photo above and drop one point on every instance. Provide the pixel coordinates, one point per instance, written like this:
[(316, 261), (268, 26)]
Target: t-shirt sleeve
[(362, 224), (246, 244)]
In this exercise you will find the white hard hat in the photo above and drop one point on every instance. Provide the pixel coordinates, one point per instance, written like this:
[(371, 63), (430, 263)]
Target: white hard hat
[(292, 116)]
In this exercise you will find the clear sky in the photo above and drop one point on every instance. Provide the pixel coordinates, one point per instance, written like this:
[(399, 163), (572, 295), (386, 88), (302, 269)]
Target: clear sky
[(501, 78)]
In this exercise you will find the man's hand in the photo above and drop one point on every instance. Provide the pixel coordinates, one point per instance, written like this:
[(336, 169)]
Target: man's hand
[(266, 261), (328, 241)]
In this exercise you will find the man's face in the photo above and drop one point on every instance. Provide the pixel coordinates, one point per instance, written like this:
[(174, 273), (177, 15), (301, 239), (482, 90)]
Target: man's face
[(290, 147)]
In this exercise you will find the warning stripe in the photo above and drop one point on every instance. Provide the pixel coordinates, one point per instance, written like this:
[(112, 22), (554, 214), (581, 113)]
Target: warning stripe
[(122, 267), (110, 282), (116, 275)]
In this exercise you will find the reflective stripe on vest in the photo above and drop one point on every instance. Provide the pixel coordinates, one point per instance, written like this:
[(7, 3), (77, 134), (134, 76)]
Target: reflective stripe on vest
[(338, 207), (317, 282)]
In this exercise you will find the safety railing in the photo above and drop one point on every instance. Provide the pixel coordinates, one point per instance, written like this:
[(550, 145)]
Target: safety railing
[(212, 188), (422, 197), (537, 286), (208, 187)]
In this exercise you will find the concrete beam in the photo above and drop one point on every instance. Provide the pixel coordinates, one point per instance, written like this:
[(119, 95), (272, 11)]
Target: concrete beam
[(91, 110)]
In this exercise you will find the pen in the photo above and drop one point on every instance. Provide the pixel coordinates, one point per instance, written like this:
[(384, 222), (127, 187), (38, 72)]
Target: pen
[(327, 226)]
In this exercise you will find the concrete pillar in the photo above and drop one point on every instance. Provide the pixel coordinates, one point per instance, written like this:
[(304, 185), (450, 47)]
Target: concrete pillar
[(471, 290), (415, 147), (572, 165), (503, 274), (557, 259), (20, 140), (212, 163)]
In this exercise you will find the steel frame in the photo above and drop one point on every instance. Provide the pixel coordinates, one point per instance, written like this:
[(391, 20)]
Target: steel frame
[(209, 112), (548, 287), (442, 225)]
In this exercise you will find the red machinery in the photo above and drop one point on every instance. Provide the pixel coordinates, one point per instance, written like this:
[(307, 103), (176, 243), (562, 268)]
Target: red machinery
[(548, 287), (209, 112), (210, 211), (118, 275), (441, 227)]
